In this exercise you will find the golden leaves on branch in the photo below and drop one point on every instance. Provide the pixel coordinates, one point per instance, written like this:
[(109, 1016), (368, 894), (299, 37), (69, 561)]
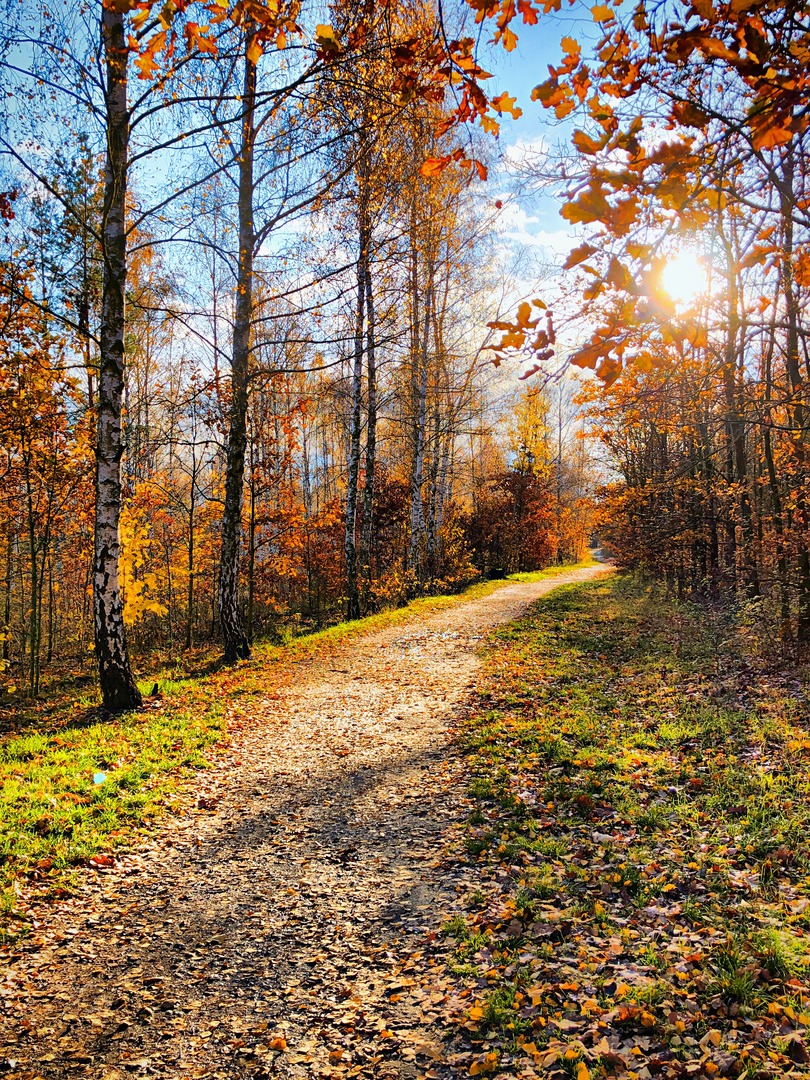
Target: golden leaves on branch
[(271, 21), (433, 167), (137, 586), (326, 40)]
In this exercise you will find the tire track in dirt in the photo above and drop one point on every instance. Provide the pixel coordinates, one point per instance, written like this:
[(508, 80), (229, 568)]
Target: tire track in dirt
[(286, 924)]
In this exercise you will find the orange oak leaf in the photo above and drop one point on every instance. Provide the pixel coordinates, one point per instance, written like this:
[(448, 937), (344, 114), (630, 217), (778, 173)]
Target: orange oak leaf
[(504, 103)]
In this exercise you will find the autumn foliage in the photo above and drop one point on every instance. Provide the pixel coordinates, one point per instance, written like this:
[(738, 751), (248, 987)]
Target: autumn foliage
[(690, 149)]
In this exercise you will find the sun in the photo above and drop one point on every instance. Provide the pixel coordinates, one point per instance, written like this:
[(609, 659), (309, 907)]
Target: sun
[(684, 278)]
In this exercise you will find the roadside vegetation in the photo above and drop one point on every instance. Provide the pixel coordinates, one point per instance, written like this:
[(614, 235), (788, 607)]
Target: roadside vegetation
[(639, 833)]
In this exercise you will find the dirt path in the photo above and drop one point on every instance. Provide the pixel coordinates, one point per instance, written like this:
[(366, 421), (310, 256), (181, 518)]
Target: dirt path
[(295, 904)]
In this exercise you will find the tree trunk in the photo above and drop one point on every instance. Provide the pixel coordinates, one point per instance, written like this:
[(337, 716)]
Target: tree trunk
[(7, 599), (118, 688), (787, 200), (353, 480), (51, 614), (433, 473), (371, 438), (441, 491), (251, 548), (420, 374), (736, 428), (190, 563), (233, 635)]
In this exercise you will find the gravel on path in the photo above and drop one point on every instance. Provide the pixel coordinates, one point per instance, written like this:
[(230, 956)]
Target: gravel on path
[(285, 923)]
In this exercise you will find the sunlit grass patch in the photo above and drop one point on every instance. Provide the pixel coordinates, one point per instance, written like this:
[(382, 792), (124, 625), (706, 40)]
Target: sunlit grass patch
[(650, 821), (70, 793)]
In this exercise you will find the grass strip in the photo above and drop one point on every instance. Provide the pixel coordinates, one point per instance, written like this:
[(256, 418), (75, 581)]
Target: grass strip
[(639, 847)]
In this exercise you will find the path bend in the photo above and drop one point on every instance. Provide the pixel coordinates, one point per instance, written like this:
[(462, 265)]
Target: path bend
[(294, 901)]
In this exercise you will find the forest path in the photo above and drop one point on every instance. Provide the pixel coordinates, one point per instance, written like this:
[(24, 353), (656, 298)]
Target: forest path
[(297, 898)]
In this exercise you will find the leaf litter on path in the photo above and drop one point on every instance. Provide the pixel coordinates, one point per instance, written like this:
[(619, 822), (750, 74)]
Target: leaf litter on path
[(283, 922)]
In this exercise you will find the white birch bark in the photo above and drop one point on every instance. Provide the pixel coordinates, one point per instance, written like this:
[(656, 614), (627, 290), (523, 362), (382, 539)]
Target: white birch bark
[(118, 688)]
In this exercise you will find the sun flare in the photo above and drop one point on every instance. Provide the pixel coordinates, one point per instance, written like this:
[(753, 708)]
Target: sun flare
[(684, 278)]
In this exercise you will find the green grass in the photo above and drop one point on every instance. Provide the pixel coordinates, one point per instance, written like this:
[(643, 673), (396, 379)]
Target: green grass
[(55, 817), (662, 826)]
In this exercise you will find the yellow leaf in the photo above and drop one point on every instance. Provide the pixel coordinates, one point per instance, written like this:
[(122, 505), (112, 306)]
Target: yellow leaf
[(484, 1065), (254, 51), (503, 103), (146, 66), (601, 13), (326, 39)]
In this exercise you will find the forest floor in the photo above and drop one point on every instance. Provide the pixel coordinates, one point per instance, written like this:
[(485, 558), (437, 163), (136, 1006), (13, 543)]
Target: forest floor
[(560, 842), (287, 917)]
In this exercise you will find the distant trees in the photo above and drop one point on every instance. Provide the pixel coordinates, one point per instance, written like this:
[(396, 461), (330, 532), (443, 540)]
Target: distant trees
[(242, 372), (692, 141)]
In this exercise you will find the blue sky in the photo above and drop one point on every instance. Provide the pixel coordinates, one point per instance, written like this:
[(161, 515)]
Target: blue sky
[(518, 73)]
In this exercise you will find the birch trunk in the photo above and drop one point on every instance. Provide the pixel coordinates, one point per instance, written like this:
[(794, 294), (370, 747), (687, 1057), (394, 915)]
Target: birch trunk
[(787, 207), (118, 688), (235, 641), (371, 439), (441, 491), (350, 536)]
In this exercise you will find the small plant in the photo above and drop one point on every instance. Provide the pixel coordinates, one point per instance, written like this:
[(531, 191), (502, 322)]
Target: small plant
[(456, 927), (476, 845), (650, 819), (500, 1011), (773, 953)]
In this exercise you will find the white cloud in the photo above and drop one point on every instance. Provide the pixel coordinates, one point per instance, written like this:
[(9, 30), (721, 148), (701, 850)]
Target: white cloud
[(524, 154), (514, 218)]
